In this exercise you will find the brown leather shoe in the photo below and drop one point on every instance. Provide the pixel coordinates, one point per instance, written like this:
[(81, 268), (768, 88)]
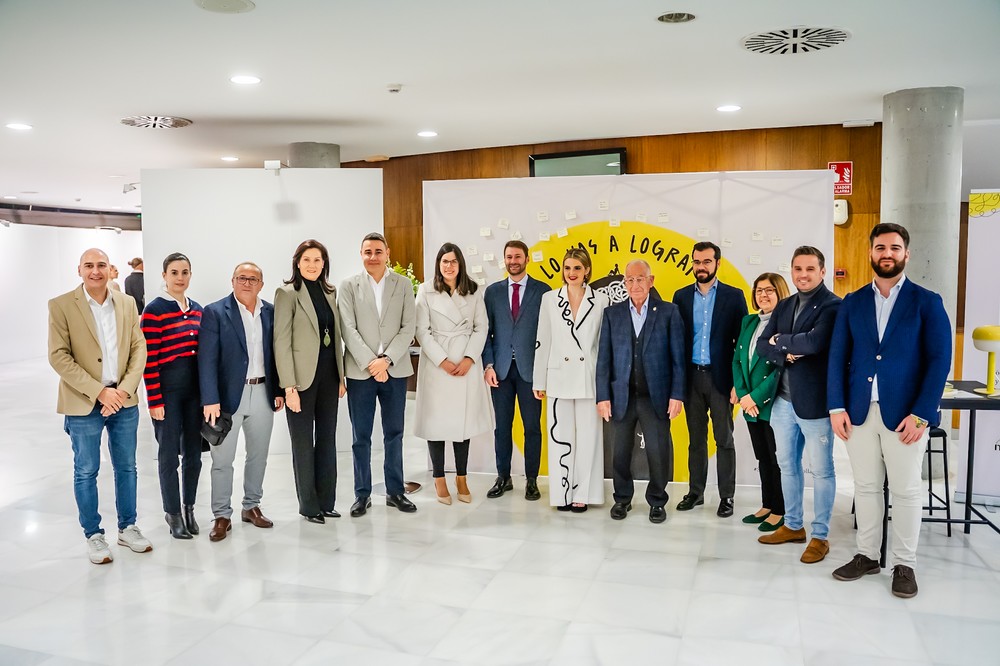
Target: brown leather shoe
[(256, 517), (784, 535), (815, 551), (219, 529)]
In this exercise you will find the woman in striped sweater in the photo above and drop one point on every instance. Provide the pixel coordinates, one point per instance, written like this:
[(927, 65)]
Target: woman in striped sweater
[(170, 324)]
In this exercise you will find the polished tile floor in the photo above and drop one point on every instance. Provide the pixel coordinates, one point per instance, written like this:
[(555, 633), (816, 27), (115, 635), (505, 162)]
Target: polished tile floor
[(495, 582)]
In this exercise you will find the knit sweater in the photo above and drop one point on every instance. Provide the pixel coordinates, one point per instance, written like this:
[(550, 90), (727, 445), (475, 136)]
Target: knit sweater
[(171, 334)]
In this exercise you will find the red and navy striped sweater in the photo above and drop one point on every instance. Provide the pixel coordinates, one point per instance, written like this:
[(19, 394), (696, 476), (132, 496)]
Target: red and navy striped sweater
[(170, 334)]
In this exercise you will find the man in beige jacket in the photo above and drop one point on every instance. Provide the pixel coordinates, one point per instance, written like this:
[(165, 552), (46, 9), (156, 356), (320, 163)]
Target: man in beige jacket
[(98, 351)]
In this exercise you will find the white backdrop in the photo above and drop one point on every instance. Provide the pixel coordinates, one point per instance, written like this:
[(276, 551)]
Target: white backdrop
[(982, 308), (757, 218)]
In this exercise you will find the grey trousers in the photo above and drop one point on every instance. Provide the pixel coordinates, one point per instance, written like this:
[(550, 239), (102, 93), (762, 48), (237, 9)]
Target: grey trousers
[(255, 417)]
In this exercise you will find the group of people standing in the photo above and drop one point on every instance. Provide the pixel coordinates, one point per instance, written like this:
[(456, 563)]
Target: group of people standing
[(801, 368)]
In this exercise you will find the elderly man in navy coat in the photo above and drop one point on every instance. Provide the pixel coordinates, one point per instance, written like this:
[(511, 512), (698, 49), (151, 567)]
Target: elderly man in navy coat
[(237, 375), (640, 380), (512, 307), (889, 358)]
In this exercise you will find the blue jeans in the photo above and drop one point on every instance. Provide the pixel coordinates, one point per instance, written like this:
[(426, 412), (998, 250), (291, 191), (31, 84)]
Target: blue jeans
[(361, 396), (810, 440), (85, 434)]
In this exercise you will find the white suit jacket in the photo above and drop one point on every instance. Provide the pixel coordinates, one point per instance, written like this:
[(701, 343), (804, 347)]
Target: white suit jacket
[(566, 349)]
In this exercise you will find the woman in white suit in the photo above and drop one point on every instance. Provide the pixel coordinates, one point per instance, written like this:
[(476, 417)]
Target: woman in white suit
[(453, 401), (569, 326)]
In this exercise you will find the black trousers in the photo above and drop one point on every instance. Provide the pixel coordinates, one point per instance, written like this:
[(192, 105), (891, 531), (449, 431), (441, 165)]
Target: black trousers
[(762, 438), (436, 450), (704, 400), (179, 436), (313, 432), (510, 388), (659, 451)]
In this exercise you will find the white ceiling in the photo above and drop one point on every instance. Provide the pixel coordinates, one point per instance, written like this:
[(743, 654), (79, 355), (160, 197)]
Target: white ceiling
[(480, 74)]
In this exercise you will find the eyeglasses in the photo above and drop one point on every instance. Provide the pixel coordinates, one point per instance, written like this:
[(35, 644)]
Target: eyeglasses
[(449, 262), (243, 279), (636, 280), (766, 291)]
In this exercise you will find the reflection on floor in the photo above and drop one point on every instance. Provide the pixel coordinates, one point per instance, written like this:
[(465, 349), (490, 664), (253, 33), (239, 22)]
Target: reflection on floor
[(496, 582)]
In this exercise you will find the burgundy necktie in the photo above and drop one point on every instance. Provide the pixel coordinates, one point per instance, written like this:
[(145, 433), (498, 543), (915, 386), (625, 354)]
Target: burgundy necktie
[(515, 302)]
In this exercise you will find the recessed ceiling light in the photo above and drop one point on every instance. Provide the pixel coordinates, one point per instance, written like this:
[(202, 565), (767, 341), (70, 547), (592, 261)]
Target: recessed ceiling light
[(18, 126), (675, 17), (9, 196), (427, 134), (245, 79), (728, 108), (230, 158), (115, 175), (108, 227), (116, 208)]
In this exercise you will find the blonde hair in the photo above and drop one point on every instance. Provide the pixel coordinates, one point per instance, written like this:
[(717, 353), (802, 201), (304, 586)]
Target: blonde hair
[(583, 257)]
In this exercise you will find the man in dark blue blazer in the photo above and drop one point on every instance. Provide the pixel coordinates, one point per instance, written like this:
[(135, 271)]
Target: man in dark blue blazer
[(712, 314), (889, 359), (797, 340), (238, 376), (512, 306), (640, 380)]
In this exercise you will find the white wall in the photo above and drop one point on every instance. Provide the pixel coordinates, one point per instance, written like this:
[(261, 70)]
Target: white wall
[(38, 263)]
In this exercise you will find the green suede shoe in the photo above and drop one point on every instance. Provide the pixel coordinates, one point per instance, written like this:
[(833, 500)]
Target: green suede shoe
[(753, 519), (768, 527)]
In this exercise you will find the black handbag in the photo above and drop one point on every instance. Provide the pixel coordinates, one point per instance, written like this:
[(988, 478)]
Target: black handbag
[(214, 434)]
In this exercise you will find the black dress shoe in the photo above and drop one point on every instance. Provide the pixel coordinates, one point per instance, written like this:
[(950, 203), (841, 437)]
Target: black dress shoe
[(178, 529), (318, 518), (725, 508), (620, 510), (531, 489), (360, 506), (500, 486), (400, 502), (332, 513), (689, 502), (657, 514), (188, 513)]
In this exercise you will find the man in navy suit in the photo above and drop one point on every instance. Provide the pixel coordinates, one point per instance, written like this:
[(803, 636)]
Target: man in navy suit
[(797, 340), (512, 308), (237, 375), (712, 314), (889, 359), (640, 380)]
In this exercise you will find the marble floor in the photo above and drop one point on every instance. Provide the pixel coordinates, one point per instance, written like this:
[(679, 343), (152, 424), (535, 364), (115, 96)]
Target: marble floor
[(495, 582)]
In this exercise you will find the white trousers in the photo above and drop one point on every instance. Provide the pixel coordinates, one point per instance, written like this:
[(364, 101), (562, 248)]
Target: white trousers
[(876, 451), (576, 452)]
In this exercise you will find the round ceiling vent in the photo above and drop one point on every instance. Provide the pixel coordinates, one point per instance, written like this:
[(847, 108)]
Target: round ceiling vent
[(226, 6), (155, 122), (790, 41)]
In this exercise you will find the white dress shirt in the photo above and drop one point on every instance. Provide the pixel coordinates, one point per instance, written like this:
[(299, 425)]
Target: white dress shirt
[(107, 335), (379, 289), (883, 310), (254, 331)]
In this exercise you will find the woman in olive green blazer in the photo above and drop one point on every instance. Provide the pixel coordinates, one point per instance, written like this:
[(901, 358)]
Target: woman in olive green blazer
[(755, 381), (310, 360)]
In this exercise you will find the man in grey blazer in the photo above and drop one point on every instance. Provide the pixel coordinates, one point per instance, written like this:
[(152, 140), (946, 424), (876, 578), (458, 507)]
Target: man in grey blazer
[(377, 319), (512, 307)]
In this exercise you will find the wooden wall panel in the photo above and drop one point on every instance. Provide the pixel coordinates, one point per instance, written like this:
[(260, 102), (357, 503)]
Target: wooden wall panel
[(742, 150)]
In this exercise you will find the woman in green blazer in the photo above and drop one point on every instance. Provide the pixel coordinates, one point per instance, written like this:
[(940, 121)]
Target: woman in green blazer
[(755, 381)]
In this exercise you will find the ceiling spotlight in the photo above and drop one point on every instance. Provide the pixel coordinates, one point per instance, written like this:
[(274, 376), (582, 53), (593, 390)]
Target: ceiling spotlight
[(116, 208), (427, 134), (105, 227), (245, 79), (230, 158), (18, 126), (128, 187), (9, 196), (728, 108)]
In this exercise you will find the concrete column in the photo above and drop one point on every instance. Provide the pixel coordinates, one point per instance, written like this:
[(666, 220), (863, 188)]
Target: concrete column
[(308, 154), (922, 180)]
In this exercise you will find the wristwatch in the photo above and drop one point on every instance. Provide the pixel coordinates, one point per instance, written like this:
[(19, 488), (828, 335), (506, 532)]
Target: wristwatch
[(921, 423)]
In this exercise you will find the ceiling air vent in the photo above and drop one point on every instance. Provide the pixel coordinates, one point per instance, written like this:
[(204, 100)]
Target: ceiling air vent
[(155, 122), (790, 41)]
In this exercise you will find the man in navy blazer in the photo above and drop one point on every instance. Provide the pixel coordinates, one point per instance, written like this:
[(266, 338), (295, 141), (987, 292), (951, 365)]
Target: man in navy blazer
[(797, 340), (512, 307), (889, 359), (640, 380), (237, 375), (712, 314)]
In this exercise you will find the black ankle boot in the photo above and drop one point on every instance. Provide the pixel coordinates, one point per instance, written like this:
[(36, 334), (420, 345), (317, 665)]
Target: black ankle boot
[(176, 524), (189, 521)]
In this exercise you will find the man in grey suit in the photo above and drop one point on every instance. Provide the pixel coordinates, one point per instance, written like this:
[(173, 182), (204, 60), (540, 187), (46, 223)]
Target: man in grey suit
[(512, 308), (377, 320)]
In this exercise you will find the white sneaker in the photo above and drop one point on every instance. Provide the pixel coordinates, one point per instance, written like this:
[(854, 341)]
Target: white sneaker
[(132, 537), (98, 549)]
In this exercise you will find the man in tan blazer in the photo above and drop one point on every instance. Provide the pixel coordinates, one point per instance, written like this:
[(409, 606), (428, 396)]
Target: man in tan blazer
[(98, 351), (377, 319)]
